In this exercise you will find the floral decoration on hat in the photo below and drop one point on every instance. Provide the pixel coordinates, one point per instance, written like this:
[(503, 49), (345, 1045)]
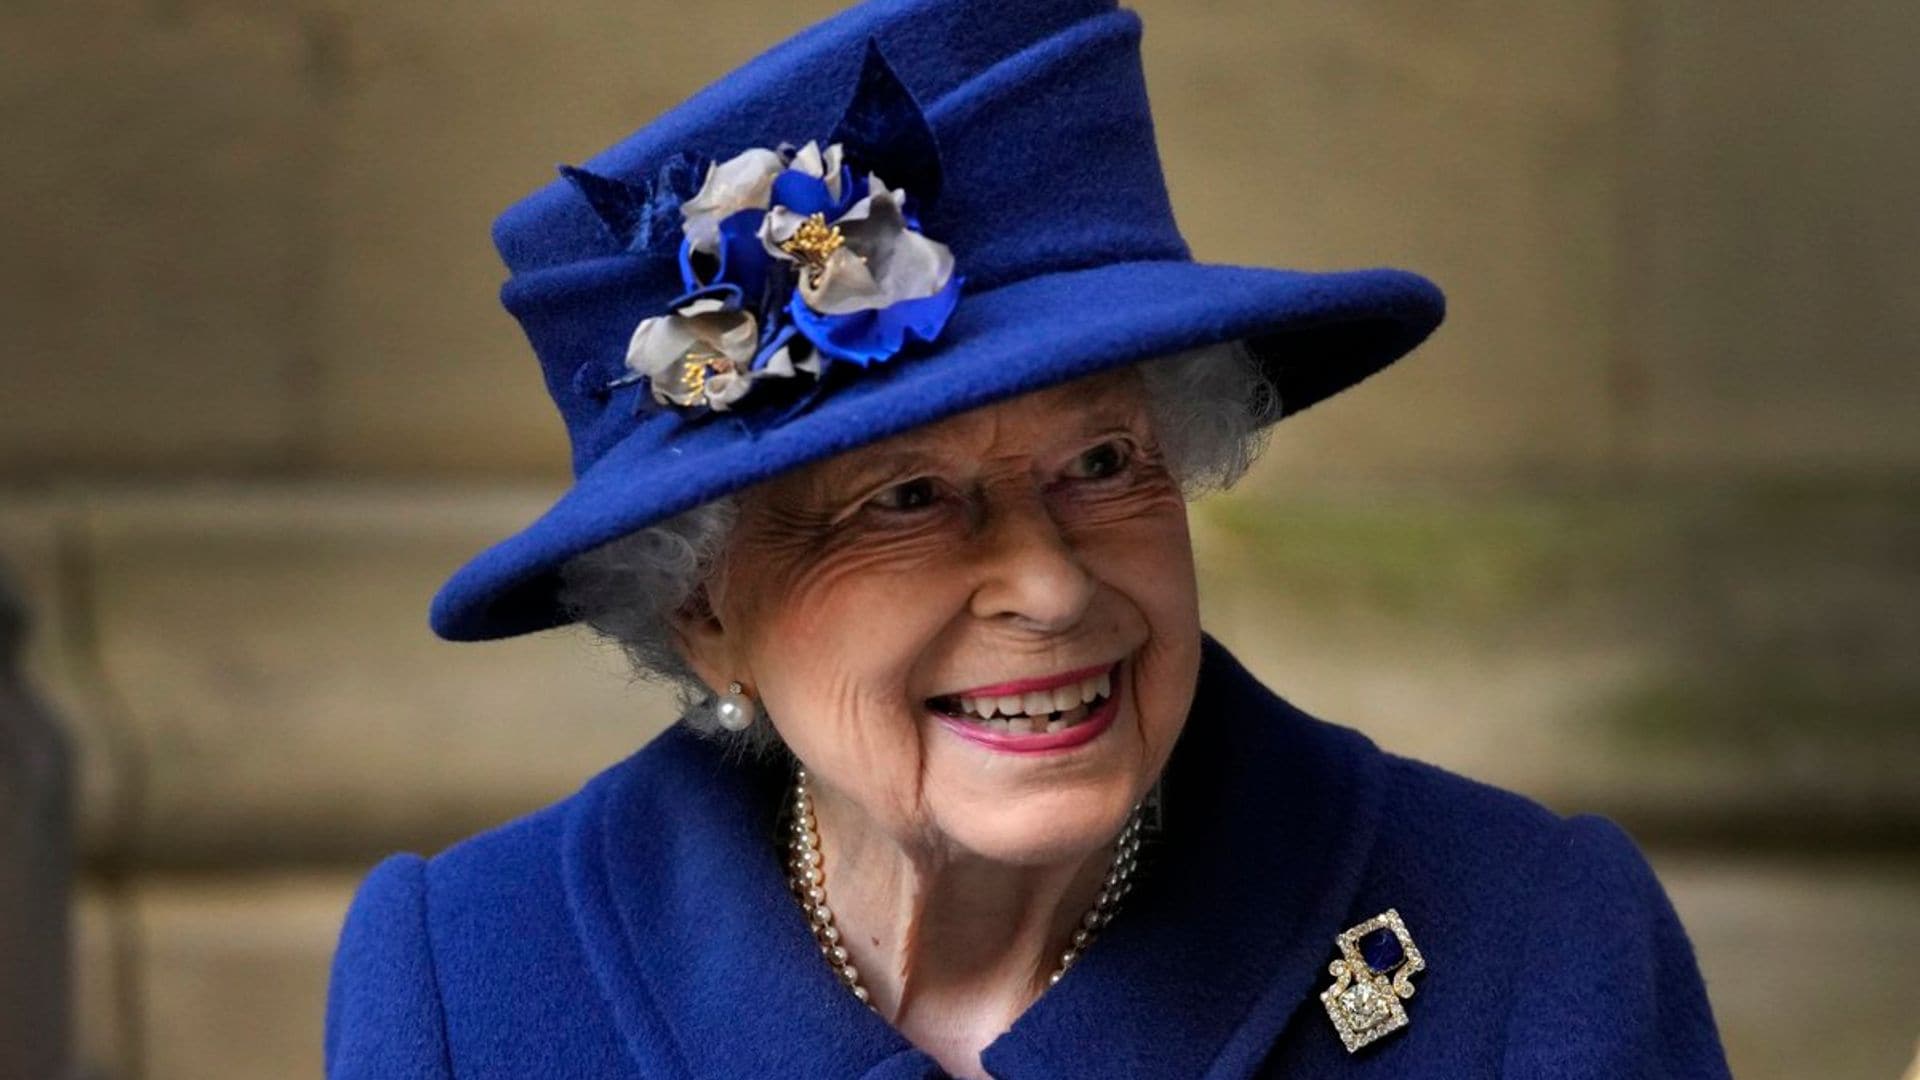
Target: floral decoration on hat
[(793, 259)]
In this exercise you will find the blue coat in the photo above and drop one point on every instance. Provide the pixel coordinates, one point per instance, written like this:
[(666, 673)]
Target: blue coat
[(642, 928)]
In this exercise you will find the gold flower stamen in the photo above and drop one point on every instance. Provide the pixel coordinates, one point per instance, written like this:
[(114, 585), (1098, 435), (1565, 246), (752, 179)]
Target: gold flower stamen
[(695, 366), (812, 243)]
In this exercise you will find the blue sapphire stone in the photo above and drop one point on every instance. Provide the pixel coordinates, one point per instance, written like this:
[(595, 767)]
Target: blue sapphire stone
[(1381, 950)]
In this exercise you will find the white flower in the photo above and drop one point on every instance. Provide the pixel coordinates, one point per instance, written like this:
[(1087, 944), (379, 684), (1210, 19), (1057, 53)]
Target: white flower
[(879, 261), (822, 165), (697, 355), (742, 182), (782, 365), (703, 352)]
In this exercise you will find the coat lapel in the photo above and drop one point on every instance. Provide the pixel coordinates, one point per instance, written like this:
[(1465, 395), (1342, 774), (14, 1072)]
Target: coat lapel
[(703, 956), (707, 964), (1268, 819)]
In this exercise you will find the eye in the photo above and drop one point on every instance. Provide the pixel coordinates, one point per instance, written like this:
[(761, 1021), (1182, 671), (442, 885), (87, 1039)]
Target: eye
[(1102, 461), (915, 494)]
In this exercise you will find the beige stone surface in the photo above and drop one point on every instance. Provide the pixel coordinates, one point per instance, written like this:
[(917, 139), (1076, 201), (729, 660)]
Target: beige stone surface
[(1773, 304), (1475, 143), (439, 119), (289, 702), (1699, 660), (234, 979), (106, 961), (1806, 962), (159, 237)]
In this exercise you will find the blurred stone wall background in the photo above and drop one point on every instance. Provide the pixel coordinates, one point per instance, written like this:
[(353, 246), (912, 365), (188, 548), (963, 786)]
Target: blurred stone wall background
[(1635, 533)]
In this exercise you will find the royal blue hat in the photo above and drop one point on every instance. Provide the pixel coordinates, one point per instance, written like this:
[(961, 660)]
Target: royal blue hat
[(913, 209)]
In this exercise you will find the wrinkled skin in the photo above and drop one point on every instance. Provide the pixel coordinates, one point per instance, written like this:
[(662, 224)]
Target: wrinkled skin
[(1032, 536)]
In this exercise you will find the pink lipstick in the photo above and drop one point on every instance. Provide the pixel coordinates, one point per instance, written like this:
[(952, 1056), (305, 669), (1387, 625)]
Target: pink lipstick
[(1073, 726), (1044, 682)]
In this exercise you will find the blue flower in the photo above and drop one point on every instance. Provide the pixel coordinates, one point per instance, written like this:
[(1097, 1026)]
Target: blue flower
[(791, 259), (869, 281)]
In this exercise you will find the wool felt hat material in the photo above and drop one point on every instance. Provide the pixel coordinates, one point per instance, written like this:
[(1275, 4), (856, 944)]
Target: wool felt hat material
[(1022, 137)]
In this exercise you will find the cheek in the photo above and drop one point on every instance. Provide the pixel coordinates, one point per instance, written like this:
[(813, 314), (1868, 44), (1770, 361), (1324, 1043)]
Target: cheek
[(1141, 549), (1147, 558), (834, 653)]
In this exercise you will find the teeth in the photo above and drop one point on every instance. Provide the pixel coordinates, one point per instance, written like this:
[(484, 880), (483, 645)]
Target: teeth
[(1025, 724), (1036, 708)]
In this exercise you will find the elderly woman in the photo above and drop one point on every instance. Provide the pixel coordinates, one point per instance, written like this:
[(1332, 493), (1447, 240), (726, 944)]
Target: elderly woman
[(888, 378)]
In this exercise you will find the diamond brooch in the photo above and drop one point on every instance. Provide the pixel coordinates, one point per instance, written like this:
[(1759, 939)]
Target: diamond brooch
[(1372, 977)]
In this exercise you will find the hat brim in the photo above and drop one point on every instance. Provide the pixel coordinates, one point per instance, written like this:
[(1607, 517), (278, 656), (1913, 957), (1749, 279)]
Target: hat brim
[(1316, 334)]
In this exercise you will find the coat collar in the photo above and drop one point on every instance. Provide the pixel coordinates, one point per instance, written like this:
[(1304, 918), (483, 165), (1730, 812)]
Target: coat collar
[(1268, 818)]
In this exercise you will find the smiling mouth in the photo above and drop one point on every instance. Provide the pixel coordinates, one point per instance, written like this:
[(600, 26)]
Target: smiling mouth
[(1033, 712)]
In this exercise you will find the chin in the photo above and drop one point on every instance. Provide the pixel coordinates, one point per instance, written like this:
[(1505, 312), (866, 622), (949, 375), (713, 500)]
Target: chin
[(1045, 828)]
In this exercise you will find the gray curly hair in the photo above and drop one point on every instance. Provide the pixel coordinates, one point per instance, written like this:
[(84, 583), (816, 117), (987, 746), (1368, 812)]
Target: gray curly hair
[(1206, 405)]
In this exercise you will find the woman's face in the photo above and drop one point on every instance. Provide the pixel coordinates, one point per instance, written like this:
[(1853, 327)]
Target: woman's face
[(1019, 557)]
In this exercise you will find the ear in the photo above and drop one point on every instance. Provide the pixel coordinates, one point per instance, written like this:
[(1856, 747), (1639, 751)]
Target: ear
[(704, 641)]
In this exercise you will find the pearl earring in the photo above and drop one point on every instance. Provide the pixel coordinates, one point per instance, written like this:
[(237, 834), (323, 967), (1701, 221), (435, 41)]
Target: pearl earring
[(734, 709)]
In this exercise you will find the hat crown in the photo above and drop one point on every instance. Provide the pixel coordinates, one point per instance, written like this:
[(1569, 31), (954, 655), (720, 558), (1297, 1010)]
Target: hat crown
[(1046, 150), (1061, 260)]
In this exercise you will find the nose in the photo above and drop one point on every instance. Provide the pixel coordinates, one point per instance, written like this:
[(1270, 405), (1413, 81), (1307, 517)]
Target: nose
[(1030, 574)]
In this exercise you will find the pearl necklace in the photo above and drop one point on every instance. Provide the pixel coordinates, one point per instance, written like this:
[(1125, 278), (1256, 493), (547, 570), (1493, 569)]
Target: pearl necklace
[(807, 877)]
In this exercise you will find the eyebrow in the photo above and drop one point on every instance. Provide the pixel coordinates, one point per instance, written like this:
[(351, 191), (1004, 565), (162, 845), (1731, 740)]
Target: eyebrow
[(872, 467)]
